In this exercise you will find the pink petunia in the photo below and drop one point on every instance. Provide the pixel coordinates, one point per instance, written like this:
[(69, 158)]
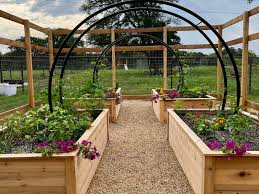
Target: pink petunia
[(230, 145)]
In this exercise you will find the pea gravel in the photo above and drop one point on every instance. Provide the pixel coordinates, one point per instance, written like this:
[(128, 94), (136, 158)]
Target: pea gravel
[(138, 158)]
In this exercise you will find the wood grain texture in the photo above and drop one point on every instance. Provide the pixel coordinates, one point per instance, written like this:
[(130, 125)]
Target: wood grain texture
[(190, 156), (66, 173), (209, 171), (85, 169)]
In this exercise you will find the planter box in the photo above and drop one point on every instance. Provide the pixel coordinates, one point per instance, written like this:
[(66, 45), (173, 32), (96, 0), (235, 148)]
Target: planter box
[(113, 107), (211, 172), (162, 105), (66, 173)]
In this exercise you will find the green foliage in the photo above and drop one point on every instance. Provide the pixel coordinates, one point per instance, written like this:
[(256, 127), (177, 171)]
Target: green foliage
[(194, 92), (40, 125), (236, 124)]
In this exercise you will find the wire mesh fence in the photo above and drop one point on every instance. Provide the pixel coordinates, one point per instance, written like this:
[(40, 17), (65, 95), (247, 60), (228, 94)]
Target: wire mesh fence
[(137, 73)]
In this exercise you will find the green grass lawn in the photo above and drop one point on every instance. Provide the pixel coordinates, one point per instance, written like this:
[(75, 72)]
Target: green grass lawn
[(132, 82)]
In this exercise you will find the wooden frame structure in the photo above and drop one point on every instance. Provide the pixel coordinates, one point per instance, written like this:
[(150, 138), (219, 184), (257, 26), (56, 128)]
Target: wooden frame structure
[(244, 40)]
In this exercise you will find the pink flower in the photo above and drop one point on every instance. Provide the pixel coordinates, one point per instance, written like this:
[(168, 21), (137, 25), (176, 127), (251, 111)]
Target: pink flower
[(247, 146), (240, 151), (230, 145), (42, 144), (214, 145), (84, 143), (92, 157)]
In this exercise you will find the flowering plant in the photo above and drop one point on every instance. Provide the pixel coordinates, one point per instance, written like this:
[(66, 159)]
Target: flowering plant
[(87, 150), (230, 147)]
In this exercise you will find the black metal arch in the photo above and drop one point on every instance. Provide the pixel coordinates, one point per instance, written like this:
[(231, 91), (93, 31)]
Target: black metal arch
[(154, 9), (141, 36)]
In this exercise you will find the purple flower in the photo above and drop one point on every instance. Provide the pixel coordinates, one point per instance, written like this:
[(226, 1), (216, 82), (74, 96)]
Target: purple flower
[(84, 143), (174, 94), (230, 145), (92, 157), (240, 151), (66, 146), (247, 146), (42, 144), (214, 145)]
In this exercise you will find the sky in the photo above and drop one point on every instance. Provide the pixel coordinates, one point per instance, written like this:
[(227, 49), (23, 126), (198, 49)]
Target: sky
[(66, 14)]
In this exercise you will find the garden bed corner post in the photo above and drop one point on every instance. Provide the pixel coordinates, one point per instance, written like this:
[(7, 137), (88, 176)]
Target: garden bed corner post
[(244, 58), (29, 63), (165, 58), (219, 70), (113, 60)]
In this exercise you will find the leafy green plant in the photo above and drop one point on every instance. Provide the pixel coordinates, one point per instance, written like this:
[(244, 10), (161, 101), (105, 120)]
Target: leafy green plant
[(40, 125)]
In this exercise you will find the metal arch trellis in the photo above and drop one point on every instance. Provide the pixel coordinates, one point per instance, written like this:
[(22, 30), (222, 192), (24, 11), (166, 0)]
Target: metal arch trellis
[(154, 9), (181, 74), (158, 10)]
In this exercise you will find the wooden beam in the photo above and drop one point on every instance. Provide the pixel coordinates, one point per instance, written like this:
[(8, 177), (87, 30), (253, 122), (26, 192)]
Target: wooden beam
[(13, 43), (50, 48), (132, 30), (29, 64), (38, 28), (219, 68), (11, 17), (188, 28), (19, 20), (21, 44), (254, 11), (254, 36), (67, 31), (233, 21), (235, 41), (244, 58), (165, 59), (137, 48), (113, 60)]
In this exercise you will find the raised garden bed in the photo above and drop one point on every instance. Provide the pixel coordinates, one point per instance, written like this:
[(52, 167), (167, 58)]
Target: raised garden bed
[(114, 105), (211, 171), (162, 104), (67, 173)]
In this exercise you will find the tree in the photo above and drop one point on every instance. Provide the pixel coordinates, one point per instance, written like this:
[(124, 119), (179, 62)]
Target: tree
[(135, 19)]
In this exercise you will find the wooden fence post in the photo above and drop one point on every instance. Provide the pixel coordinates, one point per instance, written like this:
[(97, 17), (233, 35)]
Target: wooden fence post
[(29, 64), (219, 69), (113, 60), (165, 58), (50, 47), (244, 58)]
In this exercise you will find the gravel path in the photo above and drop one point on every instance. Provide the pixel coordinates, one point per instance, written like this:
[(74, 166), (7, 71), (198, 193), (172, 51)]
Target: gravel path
[(138, 159)]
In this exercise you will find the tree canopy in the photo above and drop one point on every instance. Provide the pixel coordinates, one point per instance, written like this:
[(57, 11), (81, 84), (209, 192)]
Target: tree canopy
[(135, 19)]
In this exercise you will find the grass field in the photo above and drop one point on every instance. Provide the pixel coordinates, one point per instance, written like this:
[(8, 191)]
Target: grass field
[(133, 82)]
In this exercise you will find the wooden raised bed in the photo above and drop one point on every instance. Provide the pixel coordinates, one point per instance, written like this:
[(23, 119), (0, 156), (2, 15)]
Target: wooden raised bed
[(162, 105), (211, 172), (113, 107), (66, 173)]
